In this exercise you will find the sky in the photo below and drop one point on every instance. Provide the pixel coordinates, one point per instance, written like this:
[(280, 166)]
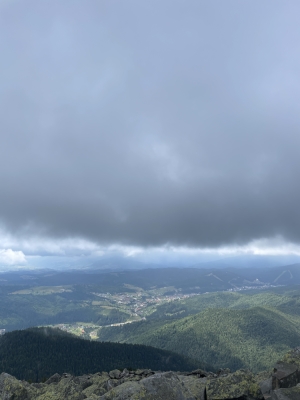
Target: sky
[(149, 127)]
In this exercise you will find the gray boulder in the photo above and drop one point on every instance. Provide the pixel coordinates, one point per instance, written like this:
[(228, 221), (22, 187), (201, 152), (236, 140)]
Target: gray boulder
[(115, 374), (286, 394), (13, 389), (53, 379), (160, 386), (240, 385), (266, 386)]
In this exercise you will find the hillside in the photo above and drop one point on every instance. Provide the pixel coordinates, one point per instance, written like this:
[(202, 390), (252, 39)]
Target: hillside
[(38, 298), (283, 299), (247, 338), (36, 354), (280, 383)]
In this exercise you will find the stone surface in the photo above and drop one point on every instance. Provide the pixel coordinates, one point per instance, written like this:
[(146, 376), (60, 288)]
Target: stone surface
[(98, 387), (53, 379), (144, 384), (285, 375), (239, 385), (266, 386), (115, 374), (199, 373), (286, 394), (12, 389), (160, 386)]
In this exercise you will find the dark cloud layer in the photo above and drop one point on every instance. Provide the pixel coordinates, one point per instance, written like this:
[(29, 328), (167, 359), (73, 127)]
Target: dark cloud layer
[(153, 122)]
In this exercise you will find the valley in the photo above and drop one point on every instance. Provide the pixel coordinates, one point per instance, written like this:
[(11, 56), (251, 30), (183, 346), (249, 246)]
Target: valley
[(113, 299), (237, 318)]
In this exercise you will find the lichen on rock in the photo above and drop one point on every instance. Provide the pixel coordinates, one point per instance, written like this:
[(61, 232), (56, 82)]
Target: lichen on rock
[(238, 385)]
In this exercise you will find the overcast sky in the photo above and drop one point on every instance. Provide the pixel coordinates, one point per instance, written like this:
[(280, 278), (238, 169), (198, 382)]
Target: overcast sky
[(149, 123)]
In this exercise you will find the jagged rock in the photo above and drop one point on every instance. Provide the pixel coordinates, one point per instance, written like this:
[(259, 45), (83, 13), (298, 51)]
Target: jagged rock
[(285, 375), (199, 373), (38, 385), (145, 384), (83, 381), (266, 386), (129, 390), (286, 394), (142, 372), (12, 389), (159, 386), (264, 380), (69, 388), (53, 379), (241, 385), (66, 375), (99, 385), (196, 387), (223, 371), (125, 373), (111, 383), (115, 374)]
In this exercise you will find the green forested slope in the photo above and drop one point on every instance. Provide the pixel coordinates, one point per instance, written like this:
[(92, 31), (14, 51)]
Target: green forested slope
[(22, 305), (283, 299), (23, 311), (38, 353), (253, 338)]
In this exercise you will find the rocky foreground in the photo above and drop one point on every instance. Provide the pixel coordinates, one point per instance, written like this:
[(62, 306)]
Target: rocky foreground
[(280, 384)]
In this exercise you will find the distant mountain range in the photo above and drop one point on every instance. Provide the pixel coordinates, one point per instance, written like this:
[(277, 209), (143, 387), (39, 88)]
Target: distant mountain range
[(116, 262), (198, 279)]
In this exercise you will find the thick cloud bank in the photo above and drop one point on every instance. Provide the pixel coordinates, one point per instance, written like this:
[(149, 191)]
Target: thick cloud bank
[(147, 123)]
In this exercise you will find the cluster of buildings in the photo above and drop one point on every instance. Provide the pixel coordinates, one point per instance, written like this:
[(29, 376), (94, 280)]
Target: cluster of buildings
[(137, 303), (264, 286)]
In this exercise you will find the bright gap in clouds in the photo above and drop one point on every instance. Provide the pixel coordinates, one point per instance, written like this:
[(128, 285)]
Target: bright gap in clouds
[(10, 257), (77, 252)]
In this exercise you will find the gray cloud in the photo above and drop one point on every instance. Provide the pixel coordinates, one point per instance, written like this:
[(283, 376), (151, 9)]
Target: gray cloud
[(147, 123)]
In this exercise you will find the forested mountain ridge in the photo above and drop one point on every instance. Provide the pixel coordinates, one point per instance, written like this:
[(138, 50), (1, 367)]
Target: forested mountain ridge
[(236, 338), (36, 354), (285, 299)]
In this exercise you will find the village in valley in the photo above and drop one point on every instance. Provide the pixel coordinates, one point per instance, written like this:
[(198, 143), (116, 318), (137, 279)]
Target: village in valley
[(137, 305)]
